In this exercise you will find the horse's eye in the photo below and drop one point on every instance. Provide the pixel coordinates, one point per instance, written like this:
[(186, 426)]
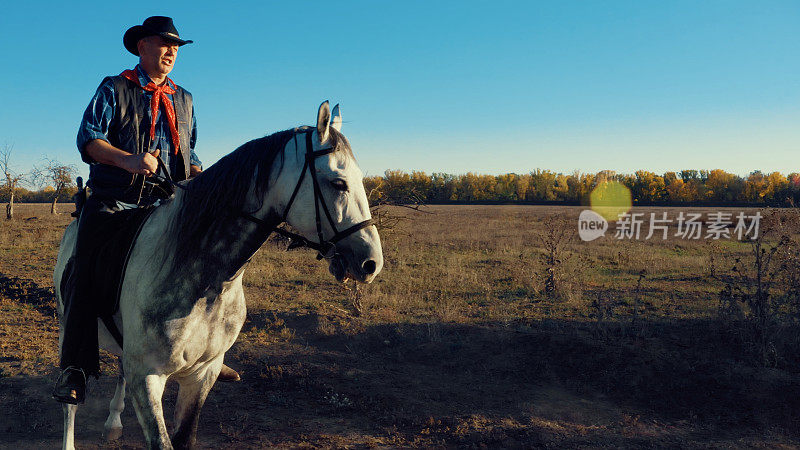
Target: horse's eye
[(339, 184)]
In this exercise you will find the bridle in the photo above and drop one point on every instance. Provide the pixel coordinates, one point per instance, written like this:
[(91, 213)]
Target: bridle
[(325, 248)]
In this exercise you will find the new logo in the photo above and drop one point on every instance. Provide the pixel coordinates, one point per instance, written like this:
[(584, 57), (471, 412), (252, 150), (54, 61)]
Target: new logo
[(591, 225)]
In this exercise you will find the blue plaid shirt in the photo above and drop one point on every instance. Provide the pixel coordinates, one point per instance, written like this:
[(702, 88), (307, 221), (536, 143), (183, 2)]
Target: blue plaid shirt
[(97, 119)]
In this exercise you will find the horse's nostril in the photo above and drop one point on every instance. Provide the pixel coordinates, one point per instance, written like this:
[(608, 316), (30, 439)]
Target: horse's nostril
[(368, 266)]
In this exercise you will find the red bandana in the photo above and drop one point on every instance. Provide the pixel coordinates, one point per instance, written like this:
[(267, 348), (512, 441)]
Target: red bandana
[(159, 95)]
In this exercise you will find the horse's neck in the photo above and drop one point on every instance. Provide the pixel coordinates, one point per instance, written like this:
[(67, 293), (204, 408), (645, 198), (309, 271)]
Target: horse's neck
[(225, 250), (233, 239)]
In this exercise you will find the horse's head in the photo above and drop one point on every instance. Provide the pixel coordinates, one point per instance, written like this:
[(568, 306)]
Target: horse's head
[(328, 203)]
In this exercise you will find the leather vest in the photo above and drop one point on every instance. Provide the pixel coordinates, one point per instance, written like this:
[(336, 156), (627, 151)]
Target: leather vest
[(130, 131)]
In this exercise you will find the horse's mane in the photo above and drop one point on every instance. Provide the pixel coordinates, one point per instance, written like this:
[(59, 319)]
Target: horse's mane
[(221, 190)]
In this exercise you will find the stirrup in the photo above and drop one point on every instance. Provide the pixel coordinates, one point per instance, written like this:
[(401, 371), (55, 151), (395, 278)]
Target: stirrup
[(69, 399)]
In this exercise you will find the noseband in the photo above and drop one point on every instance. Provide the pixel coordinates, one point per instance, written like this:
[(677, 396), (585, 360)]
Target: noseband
[(325, 248)]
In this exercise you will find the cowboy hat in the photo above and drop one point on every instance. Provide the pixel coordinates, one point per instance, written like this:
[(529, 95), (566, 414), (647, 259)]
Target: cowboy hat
[(152, 26)]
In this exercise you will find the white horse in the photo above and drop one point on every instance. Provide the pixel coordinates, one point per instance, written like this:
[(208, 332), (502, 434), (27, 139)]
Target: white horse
[(182, 304)]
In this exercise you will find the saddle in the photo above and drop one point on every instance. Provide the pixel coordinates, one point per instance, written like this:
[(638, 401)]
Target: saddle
[(111, 256), (109, 251)]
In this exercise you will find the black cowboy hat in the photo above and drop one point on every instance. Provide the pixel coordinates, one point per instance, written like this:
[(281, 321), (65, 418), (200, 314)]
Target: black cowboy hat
[(152, 26)]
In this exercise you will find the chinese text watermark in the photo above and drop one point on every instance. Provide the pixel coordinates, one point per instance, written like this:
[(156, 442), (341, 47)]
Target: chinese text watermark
[(712, 225)]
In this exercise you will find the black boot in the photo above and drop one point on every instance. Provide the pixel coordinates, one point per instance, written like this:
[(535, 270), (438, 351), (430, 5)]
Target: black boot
[(71, 386)]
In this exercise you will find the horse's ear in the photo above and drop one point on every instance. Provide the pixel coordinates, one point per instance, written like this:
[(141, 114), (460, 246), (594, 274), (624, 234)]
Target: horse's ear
[(323, 120), (336, 118)]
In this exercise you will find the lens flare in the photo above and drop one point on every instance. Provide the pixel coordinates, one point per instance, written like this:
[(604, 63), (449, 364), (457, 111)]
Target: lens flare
[(610, 199)]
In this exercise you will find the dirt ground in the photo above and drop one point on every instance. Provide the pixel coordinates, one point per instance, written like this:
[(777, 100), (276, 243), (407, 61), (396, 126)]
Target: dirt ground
[(499, 366)]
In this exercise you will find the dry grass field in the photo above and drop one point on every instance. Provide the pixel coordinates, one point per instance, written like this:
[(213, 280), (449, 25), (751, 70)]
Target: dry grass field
[(457, 343)]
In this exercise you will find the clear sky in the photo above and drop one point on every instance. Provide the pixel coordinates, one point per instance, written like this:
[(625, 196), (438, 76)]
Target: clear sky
[(457, 86)]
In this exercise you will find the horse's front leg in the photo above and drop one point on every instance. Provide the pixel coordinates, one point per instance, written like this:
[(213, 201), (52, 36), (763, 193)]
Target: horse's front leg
[(113, 425), (68, 443), (146, 392), (191, 396)]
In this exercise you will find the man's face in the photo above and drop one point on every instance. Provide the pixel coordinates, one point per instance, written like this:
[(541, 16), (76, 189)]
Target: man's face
[(157, 55)]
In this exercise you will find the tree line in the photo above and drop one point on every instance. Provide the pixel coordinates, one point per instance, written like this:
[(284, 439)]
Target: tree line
[(717, 187), (540, 186), (45, 195), (543, 186)]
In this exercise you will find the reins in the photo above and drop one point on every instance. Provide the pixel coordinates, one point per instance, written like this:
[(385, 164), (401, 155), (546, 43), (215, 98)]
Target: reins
[(324, 248)]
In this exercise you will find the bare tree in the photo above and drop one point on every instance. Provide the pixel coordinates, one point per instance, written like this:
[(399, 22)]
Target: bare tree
[(55, 174), (12, 179), (380, 203)]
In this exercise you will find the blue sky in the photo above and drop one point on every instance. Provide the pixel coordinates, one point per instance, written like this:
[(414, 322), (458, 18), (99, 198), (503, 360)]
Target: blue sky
[(488, 87)]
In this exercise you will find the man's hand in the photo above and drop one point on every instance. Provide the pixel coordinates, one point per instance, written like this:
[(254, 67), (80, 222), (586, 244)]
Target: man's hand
[(143, 164)]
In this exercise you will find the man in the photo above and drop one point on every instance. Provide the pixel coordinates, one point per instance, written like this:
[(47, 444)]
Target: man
[(134, 120)]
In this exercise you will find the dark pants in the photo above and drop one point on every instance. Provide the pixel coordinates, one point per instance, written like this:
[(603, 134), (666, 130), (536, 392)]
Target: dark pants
[(82, 301)]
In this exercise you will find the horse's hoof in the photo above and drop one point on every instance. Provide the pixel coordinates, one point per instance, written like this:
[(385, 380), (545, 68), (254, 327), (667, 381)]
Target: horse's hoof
[(226, 374), (112, 434)]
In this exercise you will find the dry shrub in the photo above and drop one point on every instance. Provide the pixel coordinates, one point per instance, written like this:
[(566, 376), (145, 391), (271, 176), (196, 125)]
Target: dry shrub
[(713, 250), (562, 269), (601, 309), (354, 295), (760, 300)]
